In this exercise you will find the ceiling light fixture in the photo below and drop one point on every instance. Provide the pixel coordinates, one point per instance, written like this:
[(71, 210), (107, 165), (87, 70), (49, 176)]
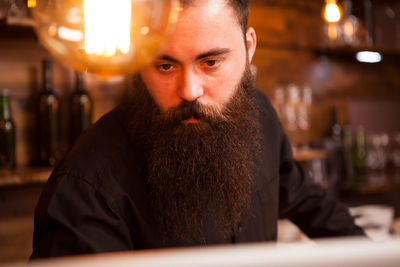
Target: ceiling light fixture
[(104, 36), (332, 11)]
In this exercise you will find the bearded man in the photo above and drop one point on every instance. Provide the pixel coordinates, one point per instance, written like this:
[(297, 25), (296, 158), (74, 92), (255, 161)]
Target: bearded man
[(195, 156)]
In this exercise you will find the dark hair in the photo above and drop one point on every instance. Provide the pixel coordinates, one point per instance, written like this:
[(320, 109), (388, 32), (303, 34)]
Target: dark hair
[(240, 7)]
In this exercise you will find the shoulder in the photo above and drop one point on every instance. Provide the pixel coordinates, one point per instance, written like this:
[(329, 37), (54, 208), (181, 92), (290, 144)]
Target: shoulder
[(103, 165), (106, 144)]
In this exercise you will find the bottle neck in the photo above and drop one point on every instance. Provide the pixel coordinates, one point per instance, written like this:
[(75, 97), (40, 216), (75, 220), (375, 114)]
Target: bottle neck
[(80, 83), (348, 8), (335, 130), (333, 116), (5, 111), (47, 77), (360, 139)]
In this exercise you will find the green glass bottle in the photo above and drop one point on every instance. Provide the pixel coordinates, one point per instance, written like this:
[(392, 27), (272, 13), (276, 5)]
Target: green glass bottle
[(49, 127), (359, 157), (81, 108), (7, 133), (348, 157)]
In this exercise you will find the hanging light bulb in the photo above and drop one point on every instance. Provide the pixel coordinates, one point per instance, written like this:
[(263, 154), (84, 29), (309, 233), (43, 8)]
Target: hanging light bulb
[(332, 11), (31, 3), (107, 37)]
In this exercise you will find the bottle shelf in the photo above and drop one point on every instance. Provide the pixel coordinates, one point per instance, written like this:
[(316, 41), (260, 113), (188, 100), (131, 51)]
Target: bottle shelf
[(309, 154), (385, 181), (24, 176), (20, 22), (389, 54), (17, 28)]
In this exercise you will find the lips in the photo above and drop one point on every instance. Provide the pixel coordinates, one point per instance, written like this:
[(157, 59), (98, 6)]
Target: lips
[(191, 120)]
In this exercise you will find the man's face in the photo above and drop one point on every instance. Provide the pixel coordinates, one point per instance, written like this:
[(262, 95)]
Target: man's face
[(204, 60)]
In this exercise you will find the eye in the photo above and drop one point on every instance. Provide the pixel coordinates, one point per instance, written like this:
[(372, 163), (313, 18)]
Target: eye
[(165, 67), (211, 63)]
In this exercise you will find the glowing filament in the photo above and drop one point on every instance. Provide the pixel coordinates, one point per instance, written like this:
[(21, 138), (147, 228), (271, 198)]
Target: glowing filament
[(31, 3), (332, 11), (107, 26)]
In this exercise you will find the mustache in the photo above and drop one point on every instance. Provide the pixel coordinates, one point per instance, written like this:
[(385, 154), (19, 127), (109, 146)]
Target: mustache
[(193, 109)]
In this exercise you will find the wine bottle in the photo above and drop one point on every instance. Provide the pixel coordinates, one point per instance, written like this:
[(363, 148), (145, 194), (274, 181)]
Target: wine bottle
[(359, 157), (347, 156), (81, 108), (49, 128), (7, 133)]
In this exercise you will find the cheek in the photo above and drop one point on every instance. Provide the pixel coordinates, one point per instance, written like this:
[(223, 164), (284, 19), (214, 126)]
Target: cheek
[(223, 87), (165, 89), (161, 89)]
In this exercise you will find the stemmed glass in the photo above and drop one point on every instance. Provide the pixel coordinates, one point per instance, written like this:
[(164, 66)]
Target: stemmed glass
[(294, 105)]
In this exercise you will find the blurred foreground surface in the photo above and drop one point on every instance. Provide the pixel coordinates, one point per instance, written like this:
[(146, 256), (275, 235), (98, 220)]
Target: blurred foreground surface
[(334, 252)]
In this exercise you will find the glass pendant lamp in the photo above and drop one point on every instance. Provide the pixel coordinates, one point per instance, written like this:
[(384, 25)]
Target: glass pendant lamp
[(107, 37)]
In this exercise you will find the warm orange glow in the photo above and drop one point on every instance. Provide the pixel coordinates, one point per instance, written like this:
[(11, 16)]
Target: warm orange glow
[(31, 3), (103, 36), (348, 28), (107, 27), (332, 11), (332, 32)]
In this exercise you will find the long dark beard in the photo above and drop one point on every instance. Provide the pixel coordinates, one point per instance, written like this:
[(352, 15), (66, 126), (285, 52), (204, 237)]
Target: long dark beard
[(200, 171)]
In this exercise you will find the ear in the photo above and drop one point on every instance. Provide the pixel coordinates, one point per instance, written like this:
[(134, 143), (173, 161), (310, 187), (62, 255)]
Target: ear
[(251, 41)]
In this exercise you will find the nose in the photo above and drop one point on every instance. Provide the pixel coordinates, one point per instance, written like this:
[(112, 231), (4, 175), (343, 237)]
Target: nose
[(190, 86)]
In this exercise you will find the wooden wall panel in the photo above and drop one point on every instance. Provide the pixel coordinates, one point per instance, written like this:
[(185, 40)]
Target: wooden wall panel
[(286, 23), (290, 50)]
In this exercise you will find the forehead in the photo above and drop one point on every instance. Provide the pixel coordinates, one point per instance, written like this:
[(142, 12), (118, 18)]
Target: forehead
[(205, 12), (204, 25)]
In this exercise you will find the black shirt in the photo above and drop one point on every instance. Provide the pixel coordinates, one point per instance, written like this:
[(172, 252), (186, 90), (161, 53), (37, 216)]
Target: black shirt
[(98, 198)]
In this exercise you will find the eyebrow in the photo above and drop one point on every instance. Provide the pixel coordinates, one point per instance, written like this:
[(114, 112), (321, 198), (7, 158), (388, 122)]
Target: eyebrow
[(213, 52)]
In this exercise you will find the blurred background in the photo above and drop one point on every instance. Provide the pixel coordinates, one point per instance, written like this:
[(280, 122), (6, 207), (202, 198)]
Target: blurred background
[(332, 75)]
